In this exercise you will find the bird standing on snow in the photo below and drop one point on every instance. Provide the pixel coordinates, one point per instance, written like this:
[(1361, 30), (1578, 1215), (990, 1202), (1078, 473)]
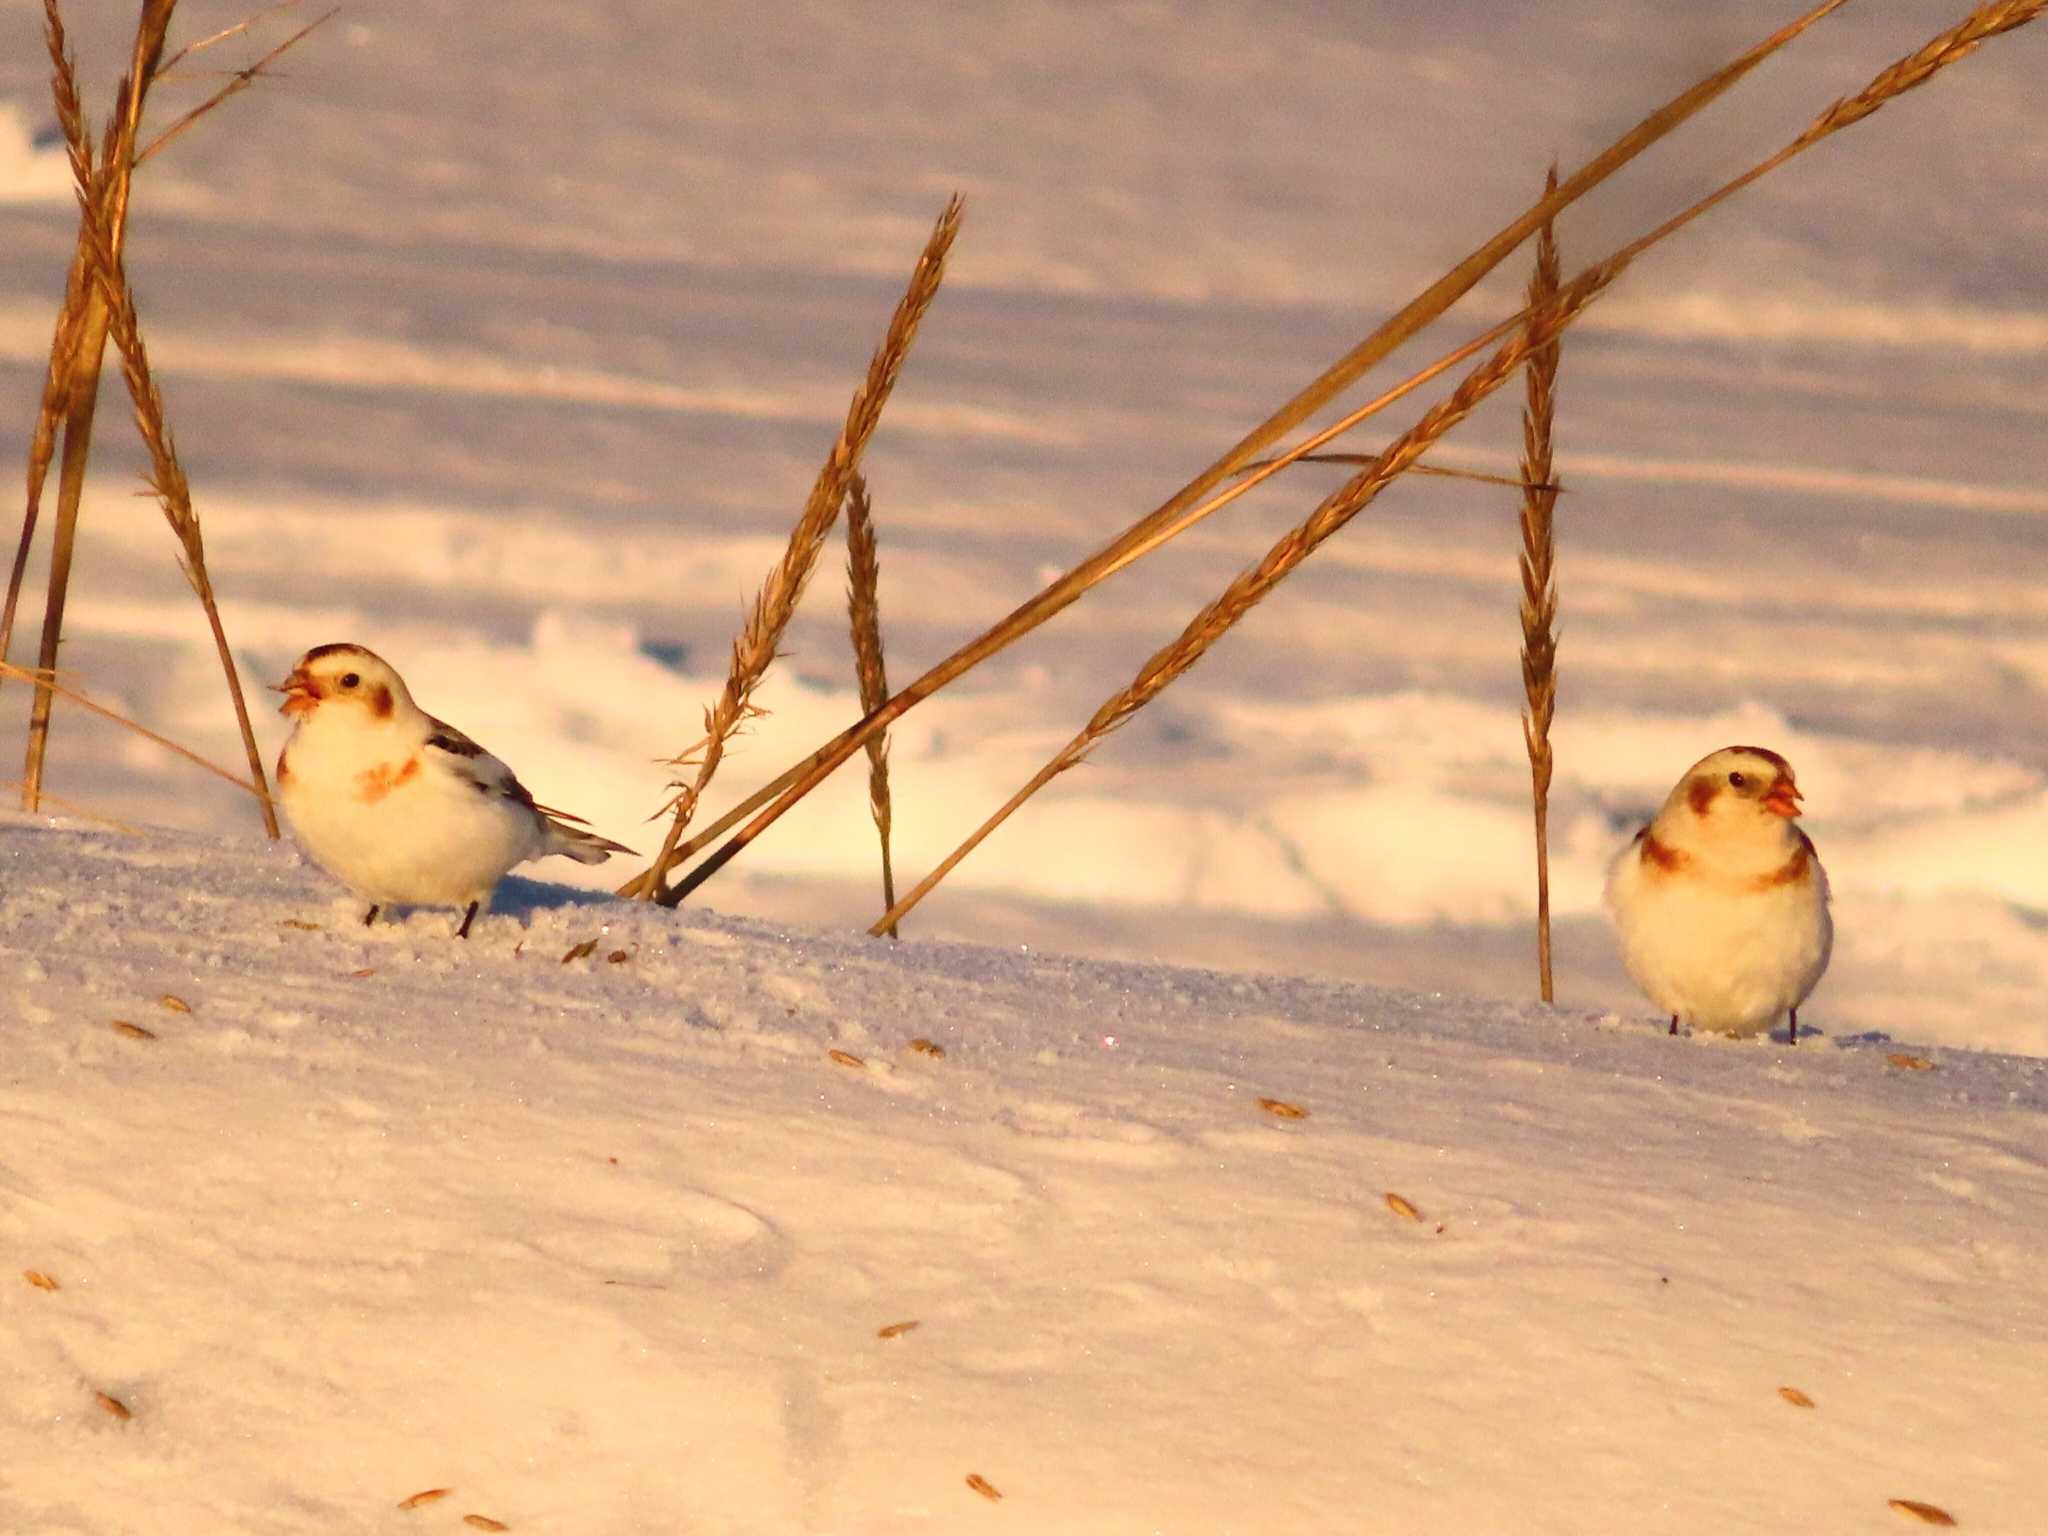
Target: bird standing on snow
[(400, 807), (1721, 901)]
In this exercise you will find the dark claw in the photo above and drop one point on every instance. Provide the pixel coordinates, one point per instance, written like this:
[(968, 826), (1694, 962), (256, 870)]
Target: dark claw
[(467, 918), (370, 916)]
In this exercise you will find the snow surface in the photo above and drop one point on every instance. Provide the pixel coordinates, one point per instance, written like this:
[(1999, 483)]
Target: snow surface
[(510, 349), (605, 1244)]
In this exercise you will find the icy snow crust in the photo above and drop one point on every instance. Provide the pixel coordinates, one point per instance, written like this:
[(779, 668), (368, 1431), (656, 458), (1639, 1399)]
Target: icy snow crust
[(605, 1245)]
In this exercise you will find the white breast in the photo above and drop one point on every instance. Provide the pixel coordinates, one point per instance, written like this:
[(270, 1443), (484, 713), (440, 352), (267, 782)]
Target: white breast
[(1720, 955), (380, 814)]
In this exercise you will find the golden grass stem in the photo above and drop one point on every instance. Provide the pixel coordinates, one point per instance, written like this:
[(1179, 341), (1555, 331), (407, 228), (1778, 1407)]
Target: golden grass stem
[(1180, 510), (1539, 325), (104, 197), (167, 479), (1478, 476), (755, 648), (240, 80), (1539, 583), (63, 343), (864, 618), (46, 680), (1286, 556), (80, 810)]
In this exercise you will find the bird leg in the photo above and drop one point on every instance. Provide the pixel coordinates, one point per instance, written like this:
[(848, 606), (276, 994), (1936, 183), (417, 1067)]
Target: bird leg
[(370, 916), (1795, 1026), (467, 918), (1674, 1024)]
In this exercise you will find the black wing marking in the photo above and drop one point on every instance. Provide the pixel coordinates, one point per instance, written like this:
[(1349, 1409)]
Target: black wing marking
[(483, 772)]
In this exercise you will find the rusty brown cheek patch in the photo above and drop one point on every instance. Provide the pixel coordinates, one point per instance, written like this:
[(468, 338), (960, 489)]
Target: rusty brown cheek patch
[(1701, 794), (1661, 856), (373, 784), (380, 703), (1791, 872)]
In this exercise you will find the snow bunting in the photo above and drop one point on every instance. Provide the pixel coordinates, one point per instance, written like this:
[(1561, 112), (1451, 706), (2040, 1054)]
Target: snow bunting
[(1721, 901), (400, 807)]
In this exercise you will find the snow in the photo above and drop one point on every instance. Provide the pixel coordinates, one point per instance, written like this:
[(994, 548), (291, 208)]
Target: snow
[(605, 1243)]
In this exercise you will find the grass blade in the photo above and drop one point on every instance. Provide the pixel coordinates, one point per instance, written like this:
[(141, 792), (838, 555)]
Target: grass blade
[(755, 648), (864, 618), (1181, 510), (1539, 585)]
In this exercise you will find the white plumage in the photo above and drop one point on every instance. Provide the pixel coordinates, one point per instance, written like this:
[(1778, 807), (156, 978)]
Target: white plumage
[(400, 807), (1721, 902)]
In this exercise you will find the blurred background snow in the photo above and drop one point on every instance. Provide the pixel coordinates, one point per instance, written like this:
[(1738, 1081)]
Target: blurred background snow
[(507, 343)]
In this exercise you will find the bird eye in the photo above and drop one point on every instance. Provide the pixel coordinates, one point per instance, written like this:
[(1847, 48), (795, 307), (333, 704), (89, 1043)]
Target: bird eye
[(1735, 779), (349, 679)]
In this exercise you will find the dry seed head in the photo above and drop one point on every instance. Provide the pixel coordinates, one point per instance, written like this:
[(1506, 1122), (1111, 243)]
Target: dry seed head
[(1926, 1514)]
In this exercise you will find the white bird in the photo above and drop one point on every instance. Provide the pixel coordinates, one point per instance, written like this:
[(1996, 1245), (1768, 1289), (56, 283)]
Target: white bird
[(402, 808), (1721, 901)]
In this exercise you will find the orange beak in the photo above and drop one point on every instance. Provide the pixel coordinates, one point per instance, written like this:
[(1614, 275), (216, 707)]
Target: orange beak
[(1784, 798), (301, 693)]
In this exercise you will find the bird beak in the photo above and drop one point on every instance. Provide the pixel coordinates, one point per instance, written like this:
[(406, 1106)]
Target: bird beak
[(1784, 798), (299, 691)]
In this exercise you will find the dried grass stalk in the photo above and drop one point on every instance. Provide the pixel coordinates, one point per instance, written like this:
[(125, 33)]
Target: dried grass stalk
[(1252, 585), (755, 648), (167, 480), (103, 196), (1539, 583), (864, 615), (45, 680), (63, 344), (239, 80), (1539, 326), (1181, 511)]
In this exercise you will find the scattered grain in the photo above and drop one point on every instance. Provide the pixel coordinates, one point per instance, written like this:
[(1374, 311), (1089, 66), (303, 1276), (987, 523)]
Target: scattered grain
[(113, 1405), (895, 1330), (581, 951), (424, 1496), (1795, 1397), (174, 1004), (1283, 1110), (925, 1047), (1926, 1514), (983, 1486), (40, 1281), (1401, 1207), (132, 1031), (1907, 1063), (847, 1059)]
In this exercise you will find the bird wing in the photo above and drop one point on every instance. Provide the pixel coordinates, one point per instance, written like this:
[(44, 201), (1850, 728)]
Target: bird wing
[(470, 763)]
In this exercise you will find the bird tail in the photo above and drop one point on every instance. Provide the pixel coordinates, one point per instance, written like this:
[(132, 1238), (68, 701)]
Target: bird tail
[(575, 843)]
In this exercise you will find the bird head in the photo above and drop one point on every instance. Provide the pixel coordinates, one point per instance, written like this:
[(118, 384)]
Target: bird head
[(1736, 789), (342, 678)]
